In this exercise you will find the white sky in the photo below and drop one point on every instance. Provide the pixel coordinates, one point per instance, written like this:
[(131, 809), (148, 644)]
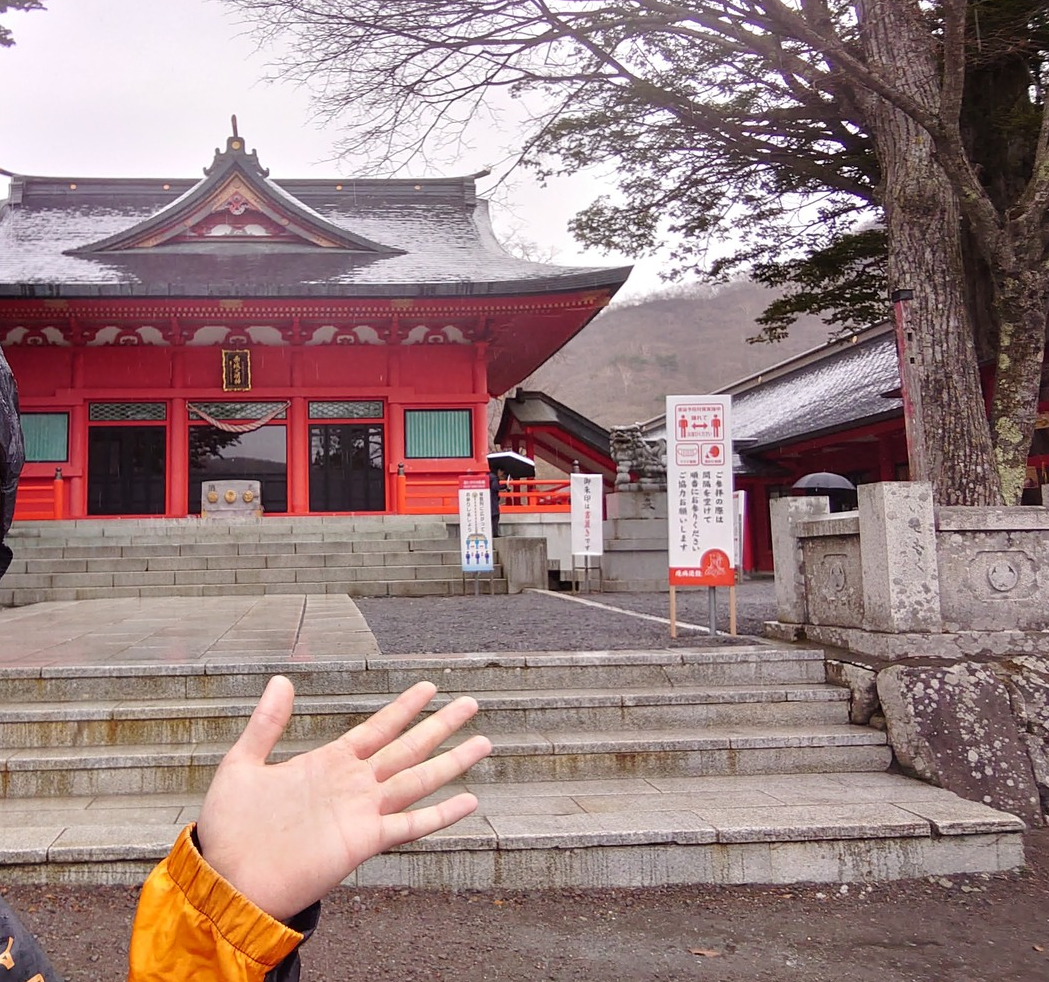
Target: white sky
[(145, 88)]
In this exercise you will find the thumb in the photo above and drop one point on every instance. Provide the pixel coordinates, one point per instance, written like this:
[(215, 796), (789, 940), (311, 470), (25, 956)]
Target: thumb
[(268, 721)]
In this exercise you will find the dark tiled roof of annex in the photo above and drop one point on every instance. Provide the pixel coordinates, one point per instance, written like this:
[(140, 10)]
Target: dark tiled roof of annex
[(841, 384), (338, 237), (533, 408), (833, 387)]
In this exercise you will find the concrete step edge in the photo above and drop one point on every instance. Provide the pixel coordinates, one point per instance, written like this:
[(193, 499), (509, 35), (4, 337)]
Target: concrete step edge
[(738, 738), (436, 662), (828, 845), (510, 699)]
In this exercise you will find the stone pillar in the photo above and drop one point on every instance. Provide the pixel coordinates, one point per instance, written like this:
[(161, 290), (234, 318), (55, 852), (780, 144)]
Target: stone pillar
[(1045, 495), (901, 579), (791, 600)]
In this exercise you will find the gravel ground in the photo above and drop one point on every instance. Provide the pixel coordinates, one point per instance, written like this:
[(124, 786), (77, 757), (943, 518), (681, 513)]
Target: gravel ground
[(976, 928), (941, 929), (539, 621)]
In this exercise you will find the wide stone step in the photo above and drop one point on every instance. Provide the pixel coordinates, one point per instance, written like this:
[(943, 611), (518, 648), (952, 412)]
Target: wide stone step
[(237, 669), (234, 569), (377, 587), (131, 558), (833, 827), (113, 722), (525, 756), (202, 530)]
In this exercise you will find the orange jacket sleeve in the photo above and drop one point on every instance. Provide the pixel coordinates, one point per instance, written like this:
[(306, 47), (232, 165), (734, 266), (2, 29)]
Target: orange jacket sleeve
[(192, 924)]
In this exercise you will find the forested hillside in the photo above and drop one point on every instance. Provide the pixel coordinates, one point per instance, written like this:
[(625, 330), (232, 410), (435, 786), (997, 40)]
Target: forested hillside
[(620, 367)]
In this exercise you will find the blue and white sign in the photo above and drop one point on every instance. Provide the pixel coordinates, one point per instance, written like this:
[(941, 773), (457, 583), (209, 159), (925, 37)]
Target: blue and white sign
[(475, 525)]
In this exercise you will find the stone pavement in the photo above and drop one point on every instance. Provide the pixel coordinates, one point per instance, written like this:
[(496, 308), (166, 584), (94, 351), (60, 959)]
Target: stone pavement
[(720, 764)]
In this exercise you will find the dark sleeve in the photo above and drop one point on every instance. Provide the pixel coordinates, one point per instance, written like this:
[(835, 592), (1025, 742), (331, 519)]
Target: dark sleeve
[(21, 958), (305, 923), (12, 447)]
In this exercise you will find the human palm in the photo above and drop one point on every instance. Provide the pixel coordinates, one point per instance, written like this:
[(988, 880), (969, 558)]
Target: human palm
[(284, 834)]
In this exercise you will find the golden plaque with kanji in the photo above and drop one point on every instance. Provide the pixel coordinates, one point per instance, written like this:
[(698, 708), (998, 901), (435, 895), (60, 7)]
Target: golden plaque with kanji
[(236, 370)]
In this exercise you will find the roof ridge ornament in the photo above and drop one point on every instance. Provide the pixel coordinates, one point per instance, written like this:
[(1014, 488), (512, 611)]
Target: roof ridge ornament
[(236, 150)]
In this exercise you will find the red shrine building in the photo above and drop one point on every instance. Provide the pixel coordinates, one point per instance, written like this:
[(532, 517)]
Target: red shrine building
[(320, 336)]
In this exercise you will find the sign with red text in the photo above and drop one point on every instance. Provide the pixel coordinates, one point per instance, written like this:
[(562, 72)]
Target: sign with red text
[(699, 491), (475, 525), (587, 512)]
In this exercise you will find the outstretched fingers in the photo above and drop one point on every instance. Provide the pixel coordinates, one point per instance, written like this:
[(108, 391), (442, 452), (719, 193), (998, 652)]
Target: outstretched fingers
[(384, 726), (407, 826), (408, 786), (421, 740)]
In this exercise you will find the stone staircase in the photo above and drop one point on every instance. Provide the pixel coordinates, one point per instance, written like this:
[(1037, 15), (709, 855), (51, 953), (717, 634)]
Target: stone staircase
[(728, 764), (370, 556)]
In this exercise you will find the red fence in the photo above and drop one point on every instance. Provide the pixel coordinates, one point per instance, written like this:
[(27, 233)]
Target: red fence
[(441, 496)]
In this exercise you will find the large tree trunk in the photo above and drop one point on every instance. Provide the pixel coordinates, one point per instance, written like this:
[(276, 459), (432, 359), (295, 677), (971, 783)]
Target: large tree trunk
[(1022, 299), (951, 434)]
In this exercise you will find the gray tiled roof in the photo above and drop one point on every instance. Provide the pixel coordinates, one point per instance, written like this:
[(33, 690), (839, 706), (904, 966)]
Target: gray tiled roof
[(842, 388), (440, 228), (833, 387)]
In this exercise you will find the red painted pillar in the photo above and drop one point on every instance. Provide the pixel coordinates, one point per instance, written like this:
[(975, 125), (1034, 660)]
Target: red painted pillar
[(298, 457), (178, 439), (480, 416), (886, 469), (393, 435), (178, 459), (76, 492)]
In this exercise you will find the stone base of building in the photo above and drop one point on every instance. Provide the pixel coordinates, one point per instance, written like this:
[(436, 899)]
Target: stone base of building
[(937, 620)]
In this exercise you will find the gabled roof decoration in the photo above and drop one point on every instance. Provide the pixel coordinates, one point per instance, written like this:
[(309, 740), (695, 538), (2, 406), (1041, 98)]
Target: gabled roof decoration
[(238, 206)]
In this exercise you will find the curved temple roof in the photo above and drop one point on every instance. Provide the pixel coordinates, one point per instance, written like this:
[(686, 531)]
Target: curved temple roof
[(237, 233)]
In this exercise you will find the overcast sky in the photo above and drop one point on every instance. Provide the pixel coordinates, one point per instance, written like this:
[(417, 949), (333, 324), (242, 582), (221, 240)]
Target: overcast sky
[(145, 88)]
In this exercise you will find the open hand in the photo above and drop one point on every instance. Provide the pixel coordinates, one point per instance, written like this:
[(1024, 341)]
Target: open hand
[(285, 834)]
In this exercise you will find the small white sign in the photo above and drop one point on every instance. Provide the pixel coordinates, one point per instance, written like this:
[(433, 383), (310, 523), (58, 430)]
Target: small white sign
[(587, 514), (475, 525), (739, 499), (699, 491)]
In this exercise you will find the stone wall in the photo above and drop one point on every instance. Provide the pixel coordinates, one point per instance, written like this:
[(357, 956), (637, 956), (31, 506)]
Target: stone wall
[(994, 568), (942, 615), (899, 577)]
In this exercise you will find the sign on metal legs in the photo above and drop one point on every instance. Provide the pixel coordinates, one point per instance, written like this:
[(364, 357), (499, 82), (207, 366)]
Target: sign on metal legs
[(475, 526), (699, 497), (587, 516)]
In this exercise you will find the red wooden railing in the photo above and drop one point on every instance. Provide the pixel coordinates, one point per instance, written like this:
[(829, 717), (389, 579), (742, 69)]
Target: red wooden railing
[(440, 496), (40, 498)]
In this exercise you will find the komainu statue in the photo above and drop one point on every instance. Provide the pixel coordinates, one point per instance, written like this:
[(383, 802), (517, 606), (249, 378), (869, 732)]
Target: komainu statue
[(641, 465)]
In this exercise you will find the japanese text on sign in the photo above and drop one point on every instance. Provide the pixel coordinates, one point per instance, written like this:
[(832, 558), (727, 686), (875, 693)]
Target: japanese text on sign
[(699, 491), (587, 512), (475, 525)]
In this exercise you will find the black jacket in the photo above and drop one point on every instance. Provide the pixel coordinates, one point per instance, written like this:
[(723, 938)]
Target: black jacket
[(12, 445), (20, 956)]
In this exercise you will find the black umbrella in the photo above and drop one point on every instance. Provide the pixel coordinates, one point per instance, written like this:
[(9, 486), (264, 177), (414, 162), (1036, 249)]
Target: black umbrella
[(515, 465), (823, 481), (6, 555)]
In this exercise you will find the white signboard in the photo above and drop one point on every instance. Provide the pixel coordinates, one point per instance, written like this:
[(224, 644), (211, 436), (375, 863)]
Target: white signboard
[(475, 525), (699, 491), (587, 511), (738, 525)]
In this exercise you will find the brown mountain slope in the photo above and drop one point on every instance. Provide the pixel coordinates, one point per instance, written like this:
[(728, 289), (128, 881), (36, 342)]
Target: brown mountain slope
[(620, 367)]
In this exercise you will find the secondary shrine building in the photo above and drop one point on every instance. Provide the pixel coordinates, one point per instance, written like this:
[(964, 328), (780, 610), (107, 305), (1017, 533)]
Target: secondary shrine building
[(320, 336)]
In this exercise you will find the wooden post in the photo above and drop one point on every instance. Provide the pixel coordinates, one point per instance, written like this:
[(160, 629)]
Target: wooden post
[(401, 491), (60, 494), (732, 610), (673, 611)]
